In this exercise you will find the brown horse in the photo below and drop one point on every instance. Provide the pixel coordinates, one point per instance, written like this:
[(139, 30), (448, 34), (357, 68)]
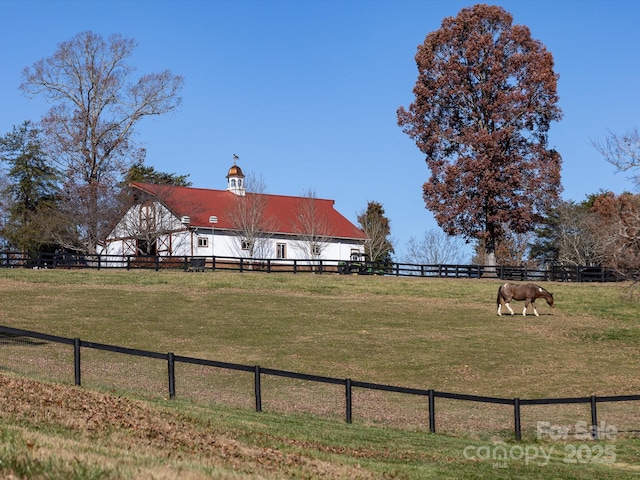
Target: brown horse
[(527, 292)]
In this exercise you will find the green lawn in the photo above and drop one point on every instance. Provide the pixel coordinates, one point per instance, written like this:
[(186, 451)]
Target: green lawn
[(440, 334)]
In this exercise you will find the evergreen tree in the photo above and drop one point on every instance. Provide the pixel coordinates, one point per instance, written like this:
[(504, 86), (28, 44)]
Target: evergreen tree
[(31, 191), (139, 172)]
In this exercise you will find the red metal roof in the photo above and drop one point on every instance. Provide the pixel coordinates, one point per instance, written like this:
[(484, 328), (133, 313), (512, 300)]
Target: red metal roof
[(199, 204)]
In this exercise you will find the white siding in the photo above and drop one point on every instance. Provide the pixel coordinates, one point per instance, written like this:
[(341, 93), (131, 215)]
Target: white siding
[(177, 239)]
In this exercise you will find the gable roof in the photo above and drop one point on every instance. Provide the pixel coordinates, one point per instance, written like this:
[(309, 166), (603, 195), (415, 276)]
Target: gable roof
[(199, 204)]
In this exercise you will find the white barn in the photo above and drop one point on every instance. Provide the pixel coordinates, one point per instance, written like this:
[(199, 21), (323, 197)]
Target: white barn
[(193, 222)]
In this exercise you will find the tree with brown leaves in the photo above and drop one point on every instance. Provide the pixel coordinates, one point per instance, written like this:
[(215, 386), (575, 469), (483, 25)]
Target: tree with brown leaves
[(251, 223), (484, 101), (619, 228)]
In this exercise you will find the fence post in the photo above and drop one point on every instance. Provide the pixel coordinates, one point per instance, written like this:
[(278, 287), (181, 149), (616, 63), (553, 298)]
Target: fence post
[(432, 412), (594, 418), (76, 360), (257, 388), (349, 400), (171, 360), (516, 415)]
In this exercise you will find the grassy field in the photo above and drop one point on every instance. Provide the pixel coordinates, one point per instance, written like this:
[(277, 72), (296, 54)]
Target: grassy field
[(441, 334)]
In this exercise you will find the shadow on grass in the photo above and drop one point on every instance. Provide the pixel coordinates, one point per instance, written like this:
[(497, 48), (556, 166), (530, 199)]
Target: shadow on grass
[(9, 339)]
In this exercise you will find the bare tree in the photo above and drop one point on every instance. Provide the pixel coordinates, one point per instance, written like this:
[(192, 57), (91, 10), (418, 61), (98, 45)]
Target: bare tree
[(622, 151), (312, 228), (513, 247), (579, 242), (251, 223), (90, 127), (603, 230), (434, 248)]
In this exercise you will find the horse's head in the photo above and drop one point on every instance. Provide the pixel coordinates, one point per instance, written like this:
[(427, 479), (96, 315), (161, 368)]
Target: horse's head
[(549, 299)]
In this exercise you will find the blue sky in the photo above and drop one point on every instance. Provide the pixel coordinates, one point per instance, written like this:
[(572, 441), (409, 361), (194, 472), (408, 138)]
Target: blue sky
[(305, 92)]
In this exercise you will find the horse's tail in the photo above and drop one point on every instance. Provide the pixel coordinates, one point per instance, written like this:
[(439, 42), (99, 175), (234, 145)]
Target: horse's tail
[(499, 295)]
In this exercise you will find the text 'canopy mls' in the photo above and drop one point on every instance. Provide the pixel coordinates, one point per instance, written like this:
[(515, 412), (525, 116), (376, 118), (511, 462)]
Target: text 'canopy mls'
[(484, 100)]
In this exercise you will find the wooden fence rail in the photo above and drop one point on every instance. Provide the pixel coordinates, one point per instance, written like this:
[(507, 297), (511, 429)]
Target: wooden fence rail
[(348, 383), (9, 259)]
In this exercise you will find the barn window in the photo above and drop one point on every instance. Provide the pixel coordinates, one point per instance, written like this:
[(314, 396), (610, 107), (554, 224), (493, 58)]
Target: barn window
[(147, 217), (246, 245), (281, 250), (203, 242), (315, 250)]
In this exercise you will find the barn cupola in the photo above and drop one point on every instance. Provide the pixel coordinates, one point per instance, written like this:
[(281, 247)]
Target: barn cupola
[(235, 179)]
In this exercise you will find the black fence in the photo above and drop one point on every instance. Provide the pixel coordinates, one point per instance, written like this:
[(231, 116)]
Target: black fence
[(560, 273), (349, 385)]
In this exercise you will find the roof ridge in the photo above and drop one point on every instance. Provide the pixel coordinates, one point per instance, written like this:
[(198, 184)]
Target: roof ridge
[(225, 190)]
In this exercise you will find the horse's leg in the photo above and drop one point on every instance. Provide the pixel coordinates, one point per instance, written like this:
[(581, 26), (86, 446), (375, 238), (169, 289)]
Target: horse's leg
[(533, 304), (524, 310), (502, 302), (506, 304)]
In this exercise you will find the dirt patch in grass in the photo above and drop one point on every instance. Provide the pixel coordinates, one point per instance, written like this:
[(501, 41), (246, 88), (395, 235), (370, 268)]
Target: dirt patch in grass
[(93, 427)]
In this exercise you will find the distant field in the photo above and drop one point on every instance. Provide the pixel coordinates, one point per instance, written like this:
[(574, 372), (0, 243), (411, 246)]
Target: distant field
[(440, 334)]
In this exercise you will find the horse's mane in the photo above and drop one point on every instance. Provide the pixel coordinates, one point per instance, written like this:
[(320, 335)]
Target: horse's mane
[(544, 290)]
